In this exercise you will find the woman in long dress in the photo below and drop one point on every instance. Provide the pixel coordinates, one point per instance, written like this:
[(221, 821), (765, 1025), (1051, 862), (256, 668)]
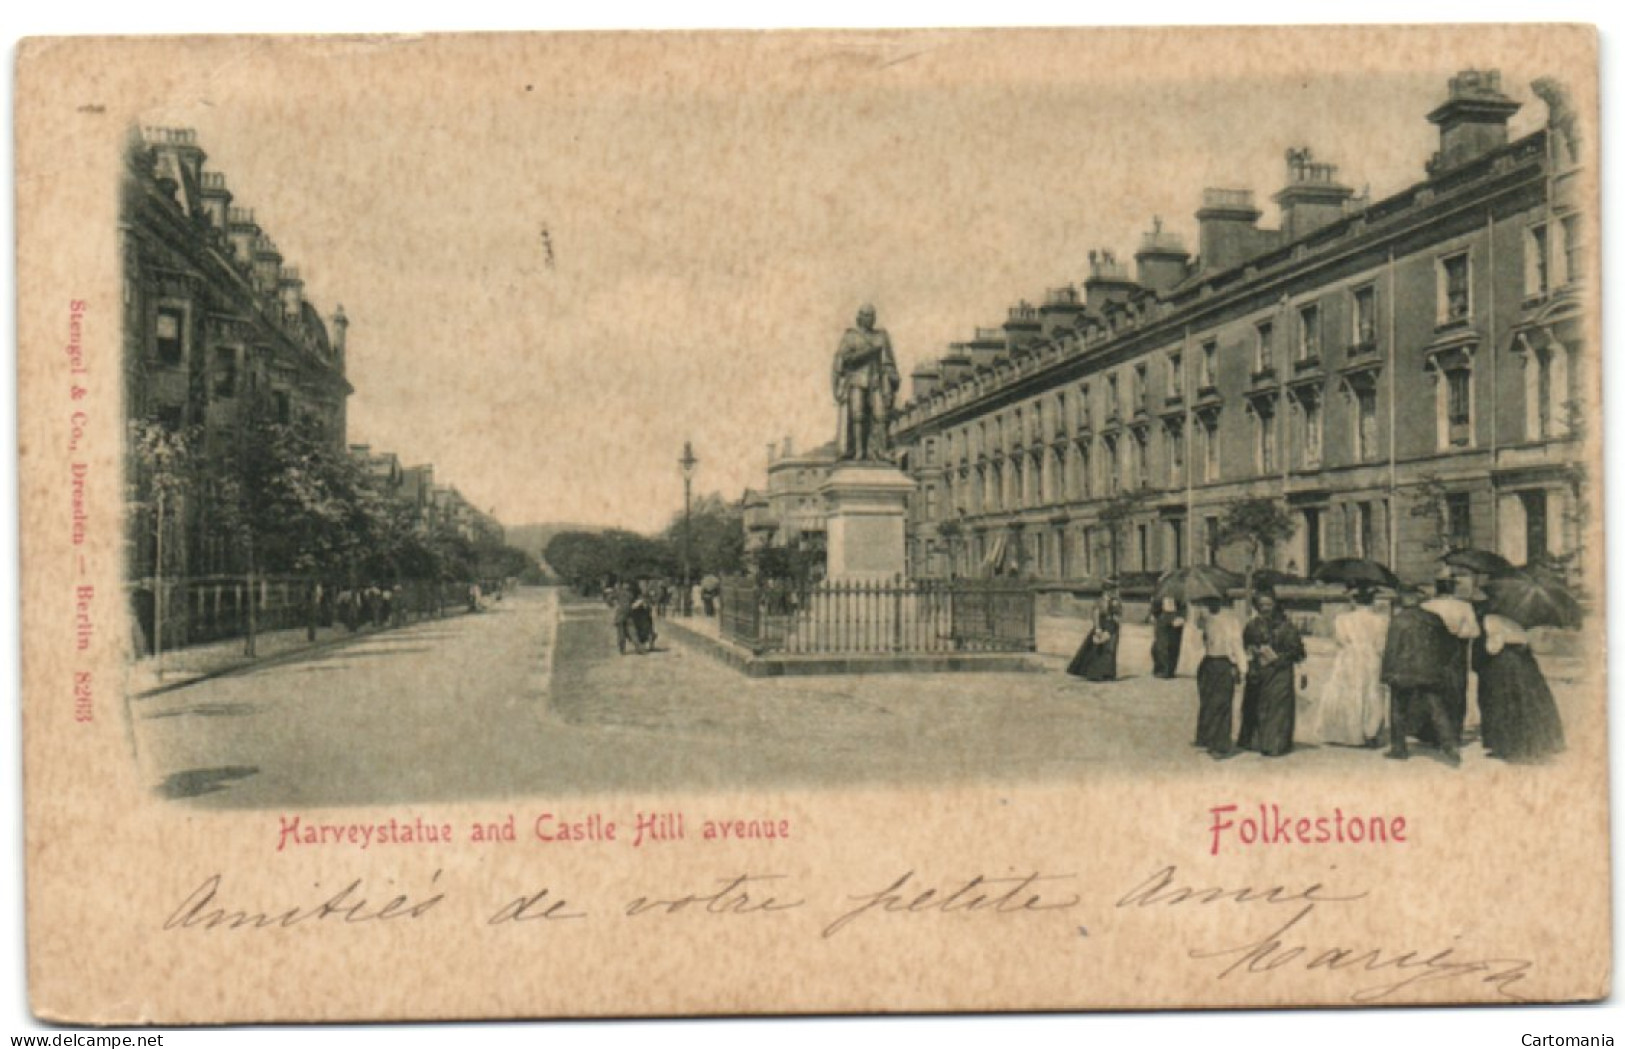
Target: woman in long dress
[(1353, 703), (1096, 658), (1168, 627), (1519, 719), (643, 624), (1269, 701)]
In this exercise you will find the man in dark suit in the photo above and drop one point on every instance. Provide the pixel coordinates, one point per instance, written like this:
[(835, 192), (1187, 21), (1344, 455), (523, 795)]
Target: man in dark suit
[(1417, 668)]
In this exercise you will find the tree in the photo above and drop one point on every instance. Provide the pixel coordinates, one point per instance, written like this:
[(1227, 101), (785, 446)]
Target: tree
[(1257, 523), (580, 558), (166, 464), (297, 506), (1115, 516), (456, 560), (305, 508), (586, 559), (785, 562), (716, 536), (1430, 502), (498, 561), (633, 556), (1576, 523)]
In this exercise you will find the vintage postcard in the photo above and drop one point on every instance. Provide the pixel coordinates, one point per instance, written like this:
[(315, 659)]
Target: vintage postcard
[(811, 522)]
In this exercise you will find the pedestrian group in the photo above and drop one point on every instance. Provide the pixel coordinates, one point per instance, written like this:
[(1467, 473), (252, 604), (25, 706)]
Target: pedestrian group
[(1394, 679)]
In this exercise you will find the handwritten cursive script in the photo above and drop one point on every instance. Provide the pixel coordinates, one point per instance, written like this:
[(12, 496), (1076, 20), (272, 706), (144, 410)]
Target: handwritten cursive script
[(734, 897), (1162, 889), (1408, 967), (1279, 949), (202, 909), (993, 895)]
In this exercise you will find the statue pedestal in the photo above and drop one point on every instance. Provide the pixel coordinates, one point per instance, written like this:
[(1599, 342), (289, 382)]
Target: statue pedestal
[(865, 505)]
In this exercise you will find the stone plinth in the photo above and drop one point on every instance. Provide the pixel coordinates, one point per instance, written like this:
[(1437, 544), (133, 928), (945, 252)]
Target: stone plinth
[(865, 505)]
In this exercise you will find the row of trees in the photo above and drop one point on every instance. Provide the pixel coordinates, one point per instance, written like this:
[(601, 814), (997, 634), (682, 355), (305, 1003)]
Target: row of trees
[(715, 540), (1256, 524), (284, 503)]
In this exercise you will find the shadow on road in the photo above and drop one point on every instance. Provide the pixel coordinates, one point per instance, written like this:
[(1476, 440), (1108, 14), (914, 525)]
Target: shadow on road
[(195, 782), (208, 710)]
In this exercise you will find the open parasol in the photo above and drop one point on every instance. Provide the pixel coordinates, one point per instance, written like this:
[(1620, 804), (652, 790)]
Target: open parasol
[(1531, 600), (1481, 561), (1356, 572), (1196, 583)]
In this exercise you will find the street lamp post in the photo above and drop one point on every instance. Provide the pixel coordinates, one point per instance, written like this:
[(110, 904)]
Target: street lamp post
[(688, 463)]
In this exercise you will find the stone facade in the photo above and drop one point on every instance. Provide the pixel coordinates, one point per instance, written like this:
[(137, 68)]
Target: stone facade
[(1403, 373), (430, 505), (791, 512), (217, 334)]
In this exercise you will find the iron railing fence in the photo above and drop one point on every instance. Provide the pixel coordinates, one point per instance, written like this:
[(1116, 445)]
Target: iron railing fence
[(201, 609), (919, 616)]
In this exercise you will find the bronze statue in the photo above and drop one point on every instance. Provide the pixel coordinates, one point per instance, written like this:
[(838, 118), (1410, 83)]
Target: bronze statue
[(866, 382)]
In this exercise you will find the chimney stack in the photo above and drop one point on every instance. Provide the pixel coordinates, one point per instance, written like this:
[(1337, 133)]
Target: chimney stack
[(955, 364), (1061, 308), (291, 288), (1473, 121), (1021, 325), (341, 326), (177, 161), (1162, 261), (243, 232), (1229, 228), (1108, 281), (216, 199), (267, 265), (988, 347), (1312, 198), (925, 378)]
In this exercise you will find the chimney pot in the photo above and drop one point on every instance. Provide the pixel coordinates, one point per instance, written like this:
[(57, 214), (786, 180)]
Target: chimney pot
[(1312, 197), (1228, 228), (1162, 261), (1472, 121)]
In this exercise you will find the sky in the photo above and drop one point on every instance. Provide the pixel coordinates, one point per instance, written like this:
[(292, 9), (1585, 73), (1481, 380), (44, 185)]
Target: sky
[(718, 206)]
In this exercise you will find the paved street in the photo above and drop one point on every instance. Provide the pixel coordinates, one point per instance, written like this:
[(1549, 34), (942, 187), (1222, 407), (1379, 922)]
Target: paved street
[(530, 697)]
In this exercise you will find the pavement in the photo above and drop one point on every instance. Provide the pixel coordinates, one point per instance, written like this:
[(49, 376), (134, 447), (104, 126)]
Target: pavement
[(530, 698), (184, 666), (411, 713)]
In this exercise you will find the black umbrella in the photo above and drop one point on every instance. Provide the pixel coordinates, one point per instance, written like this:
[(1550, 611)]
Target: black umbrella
[(1481, 561), (1196, 583), (1355, 572), (1532, 600)]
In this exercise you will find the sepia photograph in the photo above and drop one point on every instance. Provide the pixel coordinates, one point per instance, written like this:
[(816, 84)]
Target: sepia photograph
[(1127, 465)]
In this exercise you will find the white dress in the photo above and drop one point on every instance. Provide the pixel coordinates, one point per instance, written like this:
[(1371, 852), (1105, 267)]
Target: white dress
[(1353, 703)]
